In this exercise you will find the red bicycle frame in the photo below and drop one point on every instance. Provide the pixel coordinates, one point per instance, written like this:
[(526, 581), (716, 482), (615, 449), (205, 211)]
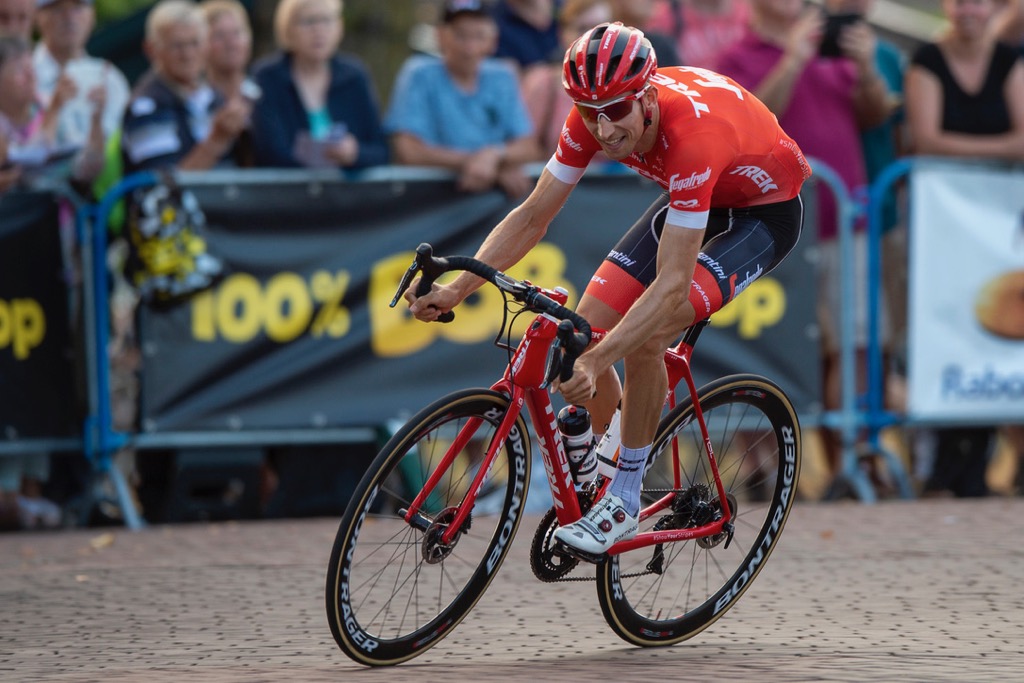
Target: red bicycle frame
[(525, 383)]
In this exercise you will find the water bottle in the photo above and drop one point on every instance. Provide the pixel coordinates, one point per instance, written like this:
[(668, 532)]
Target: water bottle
[(608, 448), (578, 438)]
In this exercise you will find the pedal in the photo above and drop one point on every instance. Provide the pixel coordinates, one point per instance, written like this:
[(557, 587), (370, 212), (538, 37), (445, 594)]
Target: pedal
[(565, 549)]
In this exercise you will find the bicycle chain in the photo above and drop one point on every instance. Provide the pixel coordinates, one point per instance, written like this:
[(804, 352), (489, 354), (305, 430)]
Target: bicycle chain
[(542, 559)]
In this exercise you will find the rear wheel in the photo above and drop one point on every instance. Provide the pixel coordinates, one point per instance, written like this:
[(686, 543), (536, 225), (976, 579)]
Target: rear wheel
[(394, 588), (661, 595)]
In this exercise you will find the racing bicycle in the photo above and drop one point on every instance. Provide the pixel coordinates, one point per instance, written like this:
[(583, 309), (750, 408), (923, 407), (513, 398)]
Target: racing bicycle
[(431, 521)]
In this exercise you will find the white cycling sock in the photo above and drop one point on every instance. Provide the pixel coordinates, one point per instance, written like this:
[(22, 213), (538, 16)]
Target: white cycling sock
[(626, 484)]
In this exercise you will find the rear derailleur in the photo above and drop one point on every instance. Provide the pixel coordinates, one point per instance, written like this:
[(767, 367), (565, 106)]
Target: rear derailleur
[(692, 508)]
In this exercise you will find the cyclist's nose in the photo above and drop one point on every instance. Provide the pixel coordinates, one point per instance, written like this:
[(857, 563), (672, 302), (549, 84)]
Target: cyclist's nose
[(605, 127)]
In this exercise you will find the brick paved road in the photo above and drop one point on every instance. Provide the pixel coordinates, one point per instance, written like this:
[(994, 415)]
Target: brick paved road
[(919, 591)]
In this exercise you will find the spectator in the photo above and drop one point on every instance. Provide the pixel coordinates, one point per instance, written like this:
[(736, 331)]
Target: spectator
[(965, 98), (639, 13), (463, 111), (702, 29), (28, 127), (882, 145), (823, 103), (318, 108), (527, 30), (175, 119), (93, 91), (23, 125), (16, 18), (229, 48), (10, 173), (542, 83), (228, 53)]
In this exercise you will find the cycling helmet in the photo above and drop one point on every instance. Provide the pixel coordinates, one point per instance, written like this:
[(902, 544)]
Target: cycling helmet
[(607, 61)]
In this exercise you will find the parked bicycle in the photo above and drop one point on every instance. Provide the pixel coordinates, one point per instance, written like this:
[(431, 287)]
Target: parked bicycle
[(433, 518)]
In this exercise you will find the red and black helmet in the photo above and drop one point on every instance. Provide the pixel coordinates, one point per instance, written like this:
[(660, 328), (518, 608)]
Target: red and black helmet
[(607, 61)]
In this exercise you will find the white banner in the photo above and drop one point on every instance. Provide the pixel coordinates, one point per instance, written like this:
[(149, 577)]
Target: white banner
[(966, 318)]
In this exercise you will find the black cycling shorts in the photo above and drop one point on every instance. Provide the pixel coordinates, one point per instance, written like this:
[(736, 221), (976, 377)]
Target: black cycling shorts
[(740, 245)]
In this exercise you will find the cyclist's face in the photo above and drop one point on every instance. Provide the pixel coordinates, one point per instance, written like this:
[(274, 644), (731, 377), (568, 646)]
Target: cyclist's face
[(619, 138)]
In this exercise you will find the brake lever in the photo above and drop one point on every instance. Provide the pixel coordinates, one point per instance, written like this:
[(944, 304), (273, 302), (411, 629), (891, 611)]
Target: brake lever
[(410, 273), (574, 343), (423, 261)]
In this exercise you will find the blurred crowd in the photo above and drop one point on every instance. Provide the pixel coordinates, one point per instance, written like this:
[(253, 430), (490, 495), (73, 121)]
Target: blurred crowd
[(486, 99)]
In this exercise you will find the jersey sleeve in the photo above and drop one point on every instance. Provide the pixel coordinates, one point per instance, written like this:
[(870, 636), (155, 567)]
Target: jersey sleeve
[(576, 147), (693, 170)]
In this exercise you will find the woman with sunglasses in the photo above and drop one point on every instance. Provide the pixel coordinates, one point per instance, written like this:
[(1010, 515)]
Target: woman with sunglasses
[(730, 213)]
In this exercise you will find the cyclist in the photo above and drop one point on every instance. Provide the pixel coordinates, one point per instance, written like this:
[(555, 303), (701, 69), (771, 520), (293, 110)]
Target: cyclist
[(731, 212)]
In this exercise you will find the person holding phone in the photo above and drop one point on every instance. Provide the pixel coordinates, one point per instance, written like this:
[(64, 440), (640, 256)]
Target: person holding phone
[(824, 103), (318, 108)]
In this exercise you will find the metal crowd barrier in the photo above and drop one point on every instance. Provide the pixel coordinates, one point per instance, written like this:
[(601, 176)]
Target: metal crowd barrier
[(857, 414), (855, 417)]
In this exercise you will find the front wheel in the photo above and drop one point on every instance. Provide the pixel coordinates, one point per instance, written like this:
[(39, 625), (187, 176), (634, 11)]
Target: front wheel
[(394, 588), (660, 595)]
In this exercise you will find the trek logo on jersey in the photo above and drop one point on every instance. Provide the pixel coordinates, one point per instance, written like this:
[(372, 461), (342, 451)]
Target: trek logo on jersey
[(682, 204), (757, 174), (706, 79), (647, 174), (567, 139), (675, 183)]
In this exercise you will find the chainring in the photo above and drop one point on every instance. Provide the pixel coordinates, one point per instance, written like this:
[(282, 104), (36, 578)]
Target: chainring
[(548, 565)]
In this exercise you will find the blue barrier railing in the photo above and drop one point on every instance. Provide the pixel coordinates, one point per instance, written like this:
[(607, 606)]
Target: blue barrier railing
[(876, 416), (100, 441), (852, 418)]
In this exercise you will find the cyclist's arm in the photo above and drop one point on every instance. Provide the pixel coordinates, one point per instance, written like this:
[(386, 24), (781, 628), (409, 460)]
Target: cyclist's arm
[(519, 231), (507, 243)]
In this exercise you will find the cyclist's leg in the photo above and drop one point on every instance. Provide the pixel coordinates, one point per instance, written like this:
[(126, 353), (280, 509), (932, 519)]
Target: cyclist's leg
[(617, 284), (741, 246)]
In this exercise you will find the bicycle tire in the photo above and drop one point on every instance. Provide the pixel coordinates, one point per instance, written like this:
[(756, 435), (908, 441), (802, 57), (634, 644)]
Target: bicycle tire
[(755, 435), (391, 595)]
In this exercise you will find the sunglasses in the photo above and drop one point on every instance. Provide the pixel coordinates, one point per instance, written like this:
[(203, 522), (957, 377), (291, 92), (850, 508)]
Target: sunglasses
[(615, 110)]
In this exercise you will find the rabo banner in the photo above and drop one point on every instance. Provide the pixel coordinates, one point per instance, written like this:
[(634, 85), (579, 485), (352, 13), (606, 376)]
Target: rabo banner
[(966, 339), (299, 334)]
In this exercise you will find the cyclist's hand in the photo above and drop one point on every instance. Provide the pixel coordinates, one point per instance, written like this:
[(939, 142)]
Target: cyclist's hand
[(427, 308), (582, 386)]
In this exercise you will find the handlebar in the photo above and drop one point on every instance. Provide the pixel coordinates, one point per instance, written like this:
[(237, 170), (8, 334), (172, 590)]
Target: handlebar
[(574, 331)]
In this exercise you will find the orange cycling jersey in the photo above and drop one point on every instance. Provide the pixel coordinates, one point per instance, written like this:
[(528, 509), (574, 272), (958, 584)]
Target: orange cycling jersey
[(718, 146)]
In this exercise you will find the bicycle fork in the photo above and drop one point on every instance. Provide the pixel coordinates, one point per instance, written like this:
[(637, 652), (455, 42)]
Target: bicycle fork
[(460, 518)]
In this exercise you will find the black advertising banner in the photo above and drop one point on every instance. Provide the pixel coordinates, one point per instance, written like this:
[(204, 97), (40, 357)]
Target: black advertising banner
[(300, 335), (36, 372)]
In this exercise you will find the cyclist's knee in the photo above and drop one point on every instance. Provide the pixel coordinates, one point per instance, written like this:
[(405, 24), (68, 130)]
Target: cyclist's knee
[(599, 314), (653, 349)]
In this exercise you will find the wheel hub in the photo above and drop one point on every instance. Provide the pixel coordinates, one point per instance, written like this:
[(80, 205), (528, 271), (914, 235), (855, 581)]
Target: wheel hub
[(434, 550)]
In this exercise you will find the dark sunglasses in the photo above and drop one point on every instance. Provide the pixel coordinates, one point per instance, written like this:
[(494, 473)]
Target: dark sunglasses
[(613, 111)]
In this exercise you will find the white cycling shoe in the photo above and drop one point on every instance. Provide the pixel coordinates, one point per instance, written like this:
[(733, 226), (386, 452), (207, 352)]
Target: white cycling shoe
[(606, 524)]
